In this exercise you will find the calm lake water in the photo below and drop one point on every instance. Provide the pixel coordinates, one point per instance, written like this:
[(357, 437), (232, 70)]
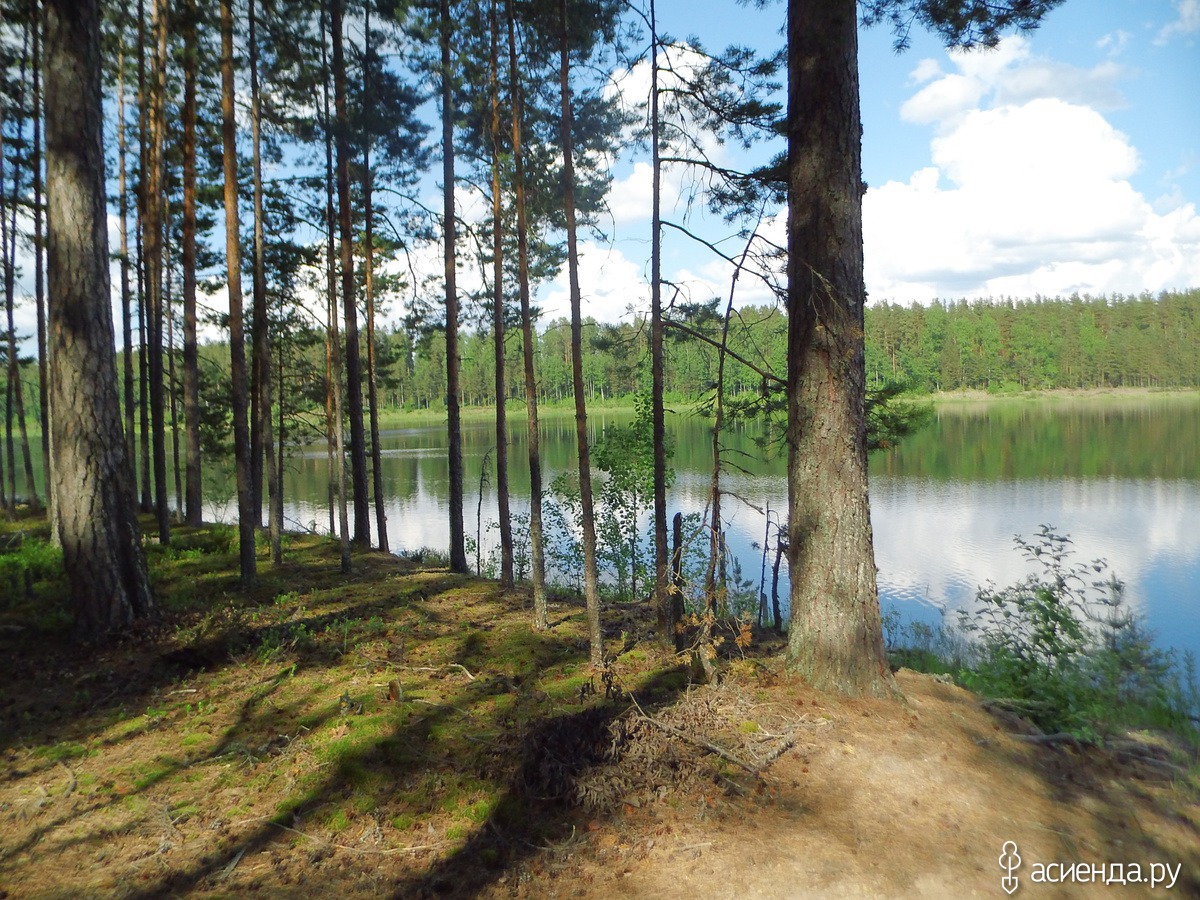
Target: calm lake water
[(1121, 477)]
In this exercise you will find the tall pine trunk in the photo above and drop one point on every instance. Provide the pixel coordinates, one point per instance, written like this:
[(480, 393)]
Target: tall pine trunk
[(537, 561), (152, 227), (39, 266), (369, 262), (262, 448), (358, 440), (237, 338), (102, 547), (123, 232), (668, 625), (335, 411), (458, 542), (498, 323), (591, 580), (13, 401), (835, 640), (194, 497)]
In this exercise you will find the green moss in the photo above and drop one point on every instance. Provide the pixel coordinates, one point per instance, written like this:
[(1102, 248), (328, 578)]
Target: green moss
[(338, 820), (61, 752)]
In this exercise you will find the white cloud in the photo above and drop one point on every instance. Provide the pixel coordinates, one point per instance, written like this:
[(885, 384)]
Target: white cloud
[(610, 283), (1027, 192), (1009, 74), (1186, 22), (1114, 42), (629, 199)]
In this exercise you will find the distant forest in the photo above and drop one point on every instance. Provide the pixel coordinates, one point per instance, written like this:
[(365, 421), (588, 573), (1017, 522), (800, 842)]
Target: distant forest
[(992, 345), (998, 345)]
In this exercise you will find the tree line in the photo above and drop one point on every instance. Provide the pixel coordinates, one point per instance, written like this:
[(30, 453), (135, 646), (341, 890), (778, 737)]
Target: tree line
[(331, 98), (1043, 343)]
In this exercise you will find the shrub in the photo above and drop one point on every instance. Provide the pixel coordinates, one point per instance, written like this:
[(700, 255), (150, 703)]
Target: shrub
[(1062, 647)]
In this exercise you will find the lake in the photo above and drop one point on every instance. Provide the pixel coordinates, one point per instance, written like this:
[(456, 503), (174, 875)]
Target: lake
[(1121, 476)]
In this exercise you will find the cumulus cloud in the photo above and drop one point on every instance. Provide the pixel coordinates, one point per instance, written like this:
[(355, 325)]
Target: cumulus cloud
[(1009, 74), (610, 283), (1028, 190), (1187, 21)]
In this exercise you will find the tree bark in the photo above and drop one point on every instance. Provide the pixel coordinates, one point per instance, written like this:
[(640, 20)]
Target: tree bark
[(14, 401), (358, 440), (668, 624), (39, 266), (334, 403), (537, 562), (237, 338), (458, 542), (194, 498), (102, 547), (498, 324), (591, 579), (172, 398), (152, 227), (262, 448), (123, 231), (369, 242), (835, 639)]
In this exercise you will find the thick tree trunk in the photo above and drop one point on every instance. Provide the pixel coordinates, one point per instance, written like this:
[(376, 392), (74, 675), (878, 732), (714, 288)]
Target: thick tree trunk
[(835, 639), (369, 241), (498, 324), (358, 440), (458, 542), (102, 547), (591, 579), (194, 497), (237, 337), (537, 561), (668, 625), (152, 226)]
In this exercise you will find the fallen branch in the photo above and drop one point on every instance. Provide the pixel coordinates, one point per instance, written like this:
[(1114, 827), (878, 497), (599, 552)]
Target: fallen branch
[(415, 848), (788, 743), (698, 741), (461, 668), (1055, 740)]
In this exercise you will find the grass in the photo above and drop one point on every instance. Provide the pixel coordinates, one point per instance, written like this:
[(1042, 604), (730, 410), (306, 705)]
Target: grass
[(261, 722), (275, 703)]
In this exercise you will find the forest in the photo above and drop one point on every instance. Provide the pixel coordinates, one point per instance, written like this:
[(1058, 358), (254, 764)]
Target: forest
[(311, 153), (208, 211)]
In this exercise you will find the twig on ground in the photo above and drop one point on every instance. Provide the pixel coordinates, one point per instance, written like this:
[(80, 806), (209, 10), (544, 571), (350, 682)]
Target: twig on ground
[(698, 741), (461, 668), (415, 848)]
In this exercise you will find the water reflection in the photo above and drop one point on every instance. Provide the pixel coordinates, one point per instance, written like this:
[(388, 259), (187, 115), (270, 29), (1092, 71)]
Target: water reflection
[(1123, 479)]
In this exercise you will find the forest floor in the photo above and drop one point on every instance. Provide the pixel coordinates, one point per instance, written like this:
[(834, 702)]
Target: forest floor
[(401, 731)]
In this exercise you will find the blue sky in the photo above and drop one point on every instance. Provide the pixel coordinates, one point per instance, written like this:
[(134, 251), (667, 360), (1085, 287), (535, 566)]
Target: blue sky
[(1067, 160)]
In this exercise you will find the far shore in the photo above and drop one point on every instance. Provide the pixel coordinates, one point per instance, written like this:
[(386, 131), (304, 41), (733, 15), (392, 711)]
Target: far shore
[(396, 418), (1064, 394)]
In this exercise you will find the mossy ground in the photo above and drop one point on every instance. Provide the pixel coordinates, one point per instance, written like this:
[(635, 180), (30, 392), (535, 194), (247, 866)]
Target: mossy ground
[(401, 731)]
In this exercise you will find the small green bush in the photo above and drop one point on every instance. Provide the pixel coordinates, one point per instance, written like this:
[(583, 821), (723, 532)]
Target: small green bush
[(1062, 648)]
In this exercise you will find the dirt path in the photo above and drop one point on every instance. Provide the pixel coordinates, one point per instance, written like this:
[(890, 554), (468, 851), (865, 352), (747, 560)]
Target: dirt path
[(913, 800), (402, 732)]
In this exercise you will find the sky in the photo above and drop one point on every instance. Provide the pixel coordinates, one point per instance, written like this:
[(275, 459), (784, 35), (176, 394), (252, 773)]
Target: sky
[(1066, 160)]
